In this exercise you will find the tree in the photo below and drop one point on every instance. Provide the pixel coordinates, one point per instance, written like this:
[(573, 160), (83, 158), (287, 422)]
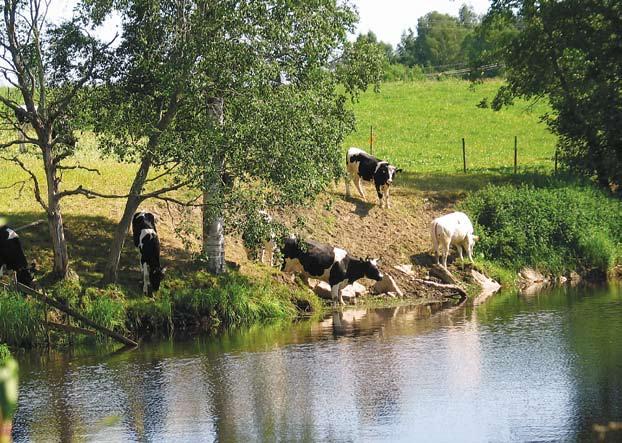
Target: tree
[(187, 75), (384, 47), (438, 41), (484, 48), (49, 66), (569, 52)]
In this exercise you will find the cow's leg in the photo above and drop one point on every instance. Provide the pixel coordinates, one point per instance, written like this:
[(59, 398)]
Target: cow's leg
[(335, 292), (145, 268), (446, 245), (357, 183), (387, 196), (262, 255), (270, 247), (2, 270), (348, 180), (459, 248)]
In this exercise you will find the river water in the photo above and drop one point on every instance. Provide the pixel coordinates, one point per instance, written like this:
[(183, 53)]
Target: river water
[(537, 368)]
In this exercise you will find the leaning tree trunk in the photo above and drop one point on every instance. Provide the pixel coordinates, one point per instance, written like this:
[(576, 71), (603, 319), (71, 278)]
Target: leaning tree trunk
[(131, 205), (213, 221), (55, 218)]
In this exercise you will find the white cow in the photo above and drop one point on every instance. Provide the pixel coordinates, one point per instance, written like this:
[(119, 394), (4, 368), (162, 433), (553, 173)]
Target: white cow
[(453, 229)]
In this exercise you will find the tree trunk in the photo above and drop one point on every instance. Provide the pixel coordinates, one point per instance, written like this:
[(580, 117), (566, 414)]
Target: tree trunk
[(213, 221), (55, 218), (131, 205)]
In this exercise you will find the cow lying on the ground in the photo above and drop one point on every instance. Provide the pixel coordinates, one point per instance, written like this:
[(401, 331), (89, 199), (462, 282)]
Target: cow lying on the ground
[(361, 165), (147, 241), (265, 246), (12, 256), (327, 263), (453, 229)]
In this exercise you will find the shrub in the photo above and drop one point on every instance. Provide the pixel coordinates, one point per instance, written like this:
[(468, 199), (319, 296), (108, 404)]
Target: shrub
[(556, 227)]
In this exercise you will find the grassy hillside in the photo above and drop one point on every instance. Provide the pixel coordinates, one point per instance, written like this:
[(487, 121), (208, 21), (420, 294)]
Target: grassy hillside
[(420, 125), (417, 125)]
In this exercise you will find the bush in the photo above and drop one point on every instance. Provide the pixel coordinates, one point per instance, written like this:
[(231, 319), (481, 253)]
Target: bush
[(398, 72), (556, 228)]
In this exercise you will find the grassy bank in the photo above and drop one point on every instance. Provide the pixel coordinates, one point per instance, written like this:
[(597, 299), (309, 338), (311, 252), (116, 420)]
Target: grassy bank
[(192, 302), (554, 225)]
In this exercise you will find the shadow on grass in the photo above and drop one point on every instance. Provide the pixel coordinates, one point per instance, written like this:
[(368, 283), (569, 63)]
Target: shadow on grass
[(88, 242)]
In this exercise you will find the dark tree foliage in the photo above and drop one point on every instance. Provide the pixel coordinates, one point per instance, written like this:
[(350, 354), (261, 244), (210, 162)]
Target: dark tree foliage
[(571, 53)]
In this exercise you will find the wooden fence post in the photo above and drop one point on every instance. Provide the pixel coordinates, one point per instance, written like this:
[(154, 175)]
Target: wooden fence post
[(515, 154), (464, 156), (371, 140)]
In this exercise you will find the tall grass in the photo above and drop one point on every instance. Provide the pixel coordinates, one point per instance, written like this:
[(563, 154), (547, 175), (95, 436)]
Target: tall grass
[(560, 227), (20, 320)]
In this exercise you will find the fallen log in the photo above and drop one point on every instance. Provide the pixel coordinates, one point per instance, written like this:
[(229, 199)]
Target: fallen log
[(67, 310), (462, 292), (442, 274), (29, 225), (67, 328)]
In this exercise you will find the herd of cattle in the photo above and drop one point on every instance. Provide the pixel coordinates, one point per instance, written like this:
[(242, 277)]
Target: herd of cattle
[(306, 257)]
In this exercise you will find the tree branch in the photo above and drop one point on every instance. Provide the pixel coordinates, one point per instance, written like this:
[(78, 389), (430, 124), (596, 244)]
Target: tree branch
[(37, 189), (66, 168)]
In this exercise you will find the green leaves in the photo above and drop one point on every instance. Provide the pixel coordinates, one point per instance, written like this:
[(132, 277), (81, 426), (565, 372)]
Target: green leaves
[(9, 378), (570, 52)]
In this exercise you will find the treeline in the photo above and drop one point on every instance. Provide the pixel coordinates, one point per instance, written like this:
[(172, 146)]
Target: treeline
[(468, 46)]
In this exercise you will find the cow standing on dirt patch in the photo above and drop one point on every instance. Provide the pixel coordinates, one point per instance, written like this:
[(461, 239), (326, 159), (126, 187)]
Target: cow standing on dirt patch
[(147, 241), (361, 165), (327, 263), (12, 256), (453, 229)]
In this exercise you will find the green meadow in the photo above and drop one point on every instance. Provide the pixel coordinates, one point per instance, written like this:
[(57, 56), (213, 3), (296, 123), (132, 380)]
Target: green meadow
[(420, 125)]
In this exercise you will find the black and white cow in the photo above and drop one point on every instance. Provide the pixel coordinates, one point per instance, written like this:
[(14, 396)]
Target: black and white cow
[(327, 263), (147, 241), (12, 256), (361, 165), (23, 121)]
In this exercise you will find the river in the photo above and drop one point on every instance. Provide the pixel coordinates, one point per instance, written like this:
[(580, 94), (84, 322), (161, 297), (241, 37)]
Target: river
[(538, 368)]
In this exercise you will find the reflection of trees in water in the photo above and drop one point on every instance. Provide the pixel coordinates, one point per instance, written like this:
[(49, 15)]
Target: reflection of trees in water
[(51, 417), (594, 334)]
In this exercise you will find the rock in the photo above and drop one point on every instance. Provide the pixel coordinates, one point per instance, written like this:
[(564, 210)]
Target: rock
[(359, 289), (322, 290), (387, 284), (530, 276), (406, 269), (574, 278), (488, 285), (443, 274)]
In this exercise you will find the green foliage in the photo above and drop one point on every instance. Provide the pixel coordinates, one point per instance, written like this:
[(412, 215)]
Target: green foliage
[(5, 353), (105, 307), (20, 320), (398, 72), (569, 52), (9, 378), (558, 227)]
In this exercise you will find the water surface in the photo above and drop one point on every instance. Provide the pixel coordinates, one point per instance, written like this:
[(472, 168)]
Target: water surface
[(538, 368)]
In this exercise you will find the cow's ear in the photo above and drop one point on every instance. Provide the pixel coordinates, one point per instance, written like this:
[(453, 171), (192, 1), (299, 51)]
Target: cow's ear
[(398, 170)]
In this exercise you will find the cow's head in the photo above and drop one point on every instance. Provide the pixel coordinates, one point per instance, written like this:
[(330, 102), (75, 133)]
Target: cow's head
[(386, 173), (471, 239), (156, 275), (371, 269), (25, 275)]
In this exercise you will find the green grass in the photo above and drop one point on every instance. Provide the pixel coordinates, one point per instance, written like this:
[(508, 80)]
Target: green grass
[(419, 126)]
